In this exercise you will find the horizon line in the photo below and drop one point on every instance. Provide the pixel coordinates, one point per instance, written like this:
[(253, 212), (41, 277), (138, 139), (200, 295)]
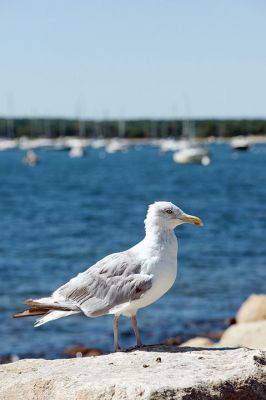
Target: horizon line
[(117, 119)]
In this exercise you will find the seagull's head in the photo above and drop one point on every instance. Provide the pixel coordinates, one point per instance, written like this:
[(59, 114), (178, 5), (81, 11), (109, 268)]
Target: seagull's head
[(169, 216)]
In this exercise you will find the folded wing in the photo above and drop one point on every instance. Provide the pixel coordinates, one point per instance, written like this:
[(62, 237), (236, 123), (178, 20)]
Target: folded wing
[(114, 280)]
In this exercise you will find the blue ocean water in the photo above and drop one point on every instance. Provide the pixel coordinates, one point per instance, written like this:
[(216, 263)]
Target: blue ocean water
[(59, 218)]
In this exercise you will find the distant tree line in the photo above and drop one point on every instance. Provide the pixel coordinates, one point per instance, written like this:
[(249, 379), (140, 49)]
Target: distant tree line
[(52, 128)]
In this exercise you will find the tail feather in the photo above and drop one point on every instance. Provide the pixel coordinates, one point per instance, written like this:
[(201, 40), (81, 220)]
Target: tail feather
[(31, 312), (45, 303), (52, 315), (47, 307)]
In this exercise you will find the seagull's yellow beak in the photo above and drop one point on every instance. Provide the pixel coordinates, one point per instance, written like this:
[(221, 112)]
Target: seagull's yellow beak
[(190, 219)]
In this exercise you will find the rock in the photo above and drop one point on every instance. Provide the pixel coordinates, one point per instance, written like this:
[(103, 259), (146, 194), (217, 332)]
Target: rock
[(250, 334), (154, 373), (198, 342), (213, 335), (230, 321), (173, 341), (253, 309), (82, 351), (4, 359)]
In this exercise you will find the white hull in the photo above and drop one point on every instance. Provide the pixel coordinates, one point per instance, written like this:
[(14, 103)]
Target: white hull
[(116, 145), (192, 155), (77, 152), (240, 143)]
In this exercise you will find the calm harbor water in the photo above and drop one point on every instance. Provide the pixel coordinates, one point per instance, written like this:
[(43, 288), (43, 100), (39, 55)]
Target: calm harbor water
[(59, 218)]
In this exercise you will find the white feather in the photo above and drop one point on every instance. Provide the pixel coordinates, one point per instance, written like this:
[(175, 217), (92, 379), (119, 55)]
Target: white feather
[(52, 315)]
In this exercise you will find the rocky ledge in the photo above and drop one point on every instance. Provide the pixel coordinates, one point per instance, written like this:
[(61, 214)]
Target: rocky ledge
[(156, 372)]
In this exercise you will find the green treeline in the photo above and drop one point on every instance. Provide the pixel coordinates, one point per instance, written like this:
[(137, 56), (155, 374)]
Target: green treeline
[(130, 129)]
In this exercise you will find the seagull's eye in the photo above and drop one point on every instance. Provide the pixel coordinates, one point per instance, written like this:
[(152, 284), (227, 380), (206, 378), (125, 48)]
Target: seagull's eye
[(169, 211)]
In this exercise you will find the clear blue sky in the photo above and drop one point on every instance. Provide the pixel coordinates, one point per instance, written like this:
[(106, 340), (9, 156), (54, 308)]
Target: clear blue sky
[(133, 58)]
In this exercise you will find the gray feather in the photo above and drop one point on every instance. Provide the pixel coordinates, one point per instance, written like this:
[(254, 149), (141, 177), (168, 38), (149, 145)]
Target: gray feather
[(114, 280)]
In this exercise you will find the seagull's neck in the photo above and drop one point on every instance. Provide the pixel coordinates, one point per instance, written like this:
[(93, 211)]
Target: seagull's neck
[(158, 234), (159, 241)]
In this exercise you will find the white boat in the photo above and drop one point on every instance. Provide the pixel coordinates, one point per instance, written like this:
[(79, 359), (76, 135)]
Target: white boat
[(97, 143), (240, 143), (116, 145), (192, 155), (172, 144), (60, 144), (77, 151), (119, 143), (8, 144), (26, 143), (31, 158)]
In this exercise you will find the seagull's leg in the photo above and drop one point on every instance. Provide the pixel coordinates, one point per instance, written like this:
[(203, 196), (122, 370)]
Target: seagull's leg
[(136, 330), (115, 325)]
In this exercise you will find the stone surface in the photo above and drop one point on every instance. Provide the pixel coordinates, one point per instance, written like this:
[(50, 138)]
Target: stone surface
[(253, 309), (156, 373), (198, 342), (250, 334)]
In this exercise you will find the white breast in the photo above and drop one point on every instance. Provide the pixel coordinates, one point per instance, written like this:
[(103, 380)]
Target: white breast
[(161, 263)]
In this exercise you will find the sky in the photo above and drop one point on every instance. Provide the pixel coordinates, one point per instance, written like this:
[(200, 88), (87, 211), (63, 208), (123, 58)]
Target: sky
[(133, 58)]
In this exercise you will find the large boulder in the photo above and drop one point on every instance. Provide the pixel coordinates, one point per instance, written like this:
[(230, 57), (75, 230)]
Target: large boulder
[(156, 373), (250, 334), (253, 309)]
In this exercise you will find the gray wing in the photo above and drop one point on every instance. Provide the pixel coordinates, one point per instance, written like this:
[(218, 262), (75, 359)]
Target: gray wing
[(114, 280)]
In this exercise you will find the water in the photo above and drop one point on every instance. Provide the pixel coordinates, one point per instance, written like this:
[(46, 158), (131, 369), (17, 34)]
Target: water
[(59, 218)]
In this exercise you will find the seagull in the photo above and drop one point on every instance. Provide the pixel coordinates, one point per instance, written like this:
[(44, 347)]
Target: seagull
[(121, 283)]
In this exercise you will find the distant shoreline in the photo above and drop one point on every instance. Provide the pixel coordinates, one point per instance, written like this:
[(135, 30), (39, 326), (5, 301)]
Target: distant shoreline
[(130, 129)]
